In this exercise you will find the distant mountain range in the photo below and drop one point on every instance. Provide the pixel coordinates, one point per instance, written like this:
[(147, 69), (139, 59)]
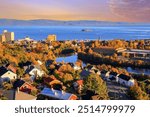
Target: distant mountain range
[(41, 22)]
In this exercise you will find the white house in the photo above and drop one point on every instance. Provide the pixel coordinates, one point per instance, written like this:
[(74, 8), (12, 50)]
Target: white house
[(34, 71), (75, 67), (97, 71), (10, 75), (105, 74), (6, 75), (91, 68), (113, 76), (126, 80)]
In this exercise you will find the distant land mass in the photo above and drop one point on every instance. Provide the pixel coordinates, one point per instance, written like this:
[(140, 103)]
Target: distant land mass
[(42, 22)]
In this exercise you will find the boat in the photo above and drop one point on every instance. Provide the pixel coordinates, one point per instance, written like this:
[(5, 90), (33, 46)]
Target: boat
[(86, 30)]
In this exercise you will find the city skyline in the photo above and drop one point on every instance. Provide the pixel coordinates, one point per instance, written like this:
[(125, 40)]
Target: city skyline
[(104, 10)]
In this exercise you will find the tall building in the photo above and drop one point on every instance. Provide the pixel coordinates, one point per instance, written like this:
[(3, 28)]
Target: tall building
[(2, 38), (9, 36), (51, 38)]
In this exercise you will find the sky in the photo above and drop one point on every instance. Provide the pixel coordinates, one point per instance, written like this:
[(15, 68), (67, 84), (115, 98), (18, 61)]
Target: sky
[(103, 10)]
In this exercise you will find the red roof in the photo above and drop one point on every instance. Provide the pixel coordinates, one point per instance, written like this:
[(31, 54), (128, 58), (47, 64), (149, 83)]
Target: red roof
[(73, 97), (12, 68), (80, 82)]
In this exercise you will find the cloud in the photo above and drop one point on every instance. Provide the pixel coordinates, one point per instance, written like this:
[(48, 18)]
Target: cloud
[(133, 10)]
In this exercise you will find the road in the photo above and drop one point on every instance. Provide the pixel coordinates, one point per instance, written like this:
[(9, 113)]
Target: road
[(117, 91)]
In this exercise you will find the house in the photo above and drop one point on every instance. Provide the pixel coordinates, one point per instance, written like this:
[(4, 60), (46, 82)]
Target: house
[(11, 68), (34, 71), (18, 83), (125, 80), (25, 65), (52, 94), (71, 64), (17, 95), (49, 62), (23, 86), (75, 67), (113, 76), (105, 74), (6, 75), (84, 74), (78, 85), (96, 71), (91, 68), (50, 47), (137, 53)]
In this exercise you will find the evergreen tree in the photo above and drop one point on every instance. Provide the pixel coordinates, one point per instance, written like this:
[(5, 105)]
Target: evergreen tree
[(96, 84)]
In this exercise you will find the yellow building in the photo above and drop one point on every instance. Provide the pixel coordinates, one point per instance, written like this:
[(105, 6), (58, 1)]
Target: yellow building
[(2, 38), (9, 36), (51, 38)]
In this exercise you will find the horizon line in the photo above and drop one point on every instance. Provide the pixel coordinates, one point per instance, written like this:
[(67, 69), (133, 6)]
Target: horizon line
[(73, 20)]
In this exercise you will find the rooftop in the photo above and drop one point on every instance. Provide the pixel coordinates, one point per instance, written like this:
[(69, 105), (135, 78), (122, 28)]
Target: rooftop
[(104, 72), (113, 73), (124, 77), (56, 94), (14, 95), (138, 51), (3, 70)]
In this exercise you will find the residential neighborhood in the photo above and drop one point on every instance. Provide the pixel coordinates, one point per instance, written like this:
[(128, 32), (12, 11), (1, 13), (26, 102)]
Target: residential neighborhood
[(30, 70)]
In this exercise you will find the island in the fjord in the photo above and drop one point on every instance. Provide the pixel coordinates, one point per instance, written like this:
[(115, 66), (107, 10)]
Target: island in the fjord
[(103, 69)]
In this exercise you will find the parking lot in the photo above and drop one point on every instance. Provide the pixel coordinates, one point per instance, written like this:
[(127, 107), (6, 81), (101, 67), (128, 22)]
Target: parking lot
[(117, 91)]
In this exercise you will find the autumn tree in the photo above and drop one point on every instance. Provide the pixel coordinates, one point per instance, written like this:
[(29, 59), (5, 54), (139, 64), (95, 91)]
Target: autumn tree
[(66, 69), (20, 72), (136, 93), (67, 77), (82, 46)]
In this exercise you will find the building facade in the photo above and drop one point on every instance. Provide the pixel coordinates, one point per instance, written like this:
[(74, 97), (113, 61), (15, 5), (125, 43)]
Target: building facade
[(7, 36), (51, 38), (10, 36), (2, 38)]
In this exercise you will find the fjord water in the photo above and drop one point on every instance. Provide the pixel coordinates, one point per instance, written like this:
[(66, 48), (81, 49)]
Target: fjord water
[(74, 58), (76, 32)]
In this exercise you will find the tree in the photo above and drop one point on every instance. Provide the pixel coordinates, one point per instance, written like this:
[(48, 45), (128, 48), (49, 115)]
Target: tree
[(66, 69), (20, 72), (82, 46), (7, 86), (67, 77), (136, 93), (90, 51), (96, 84)]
